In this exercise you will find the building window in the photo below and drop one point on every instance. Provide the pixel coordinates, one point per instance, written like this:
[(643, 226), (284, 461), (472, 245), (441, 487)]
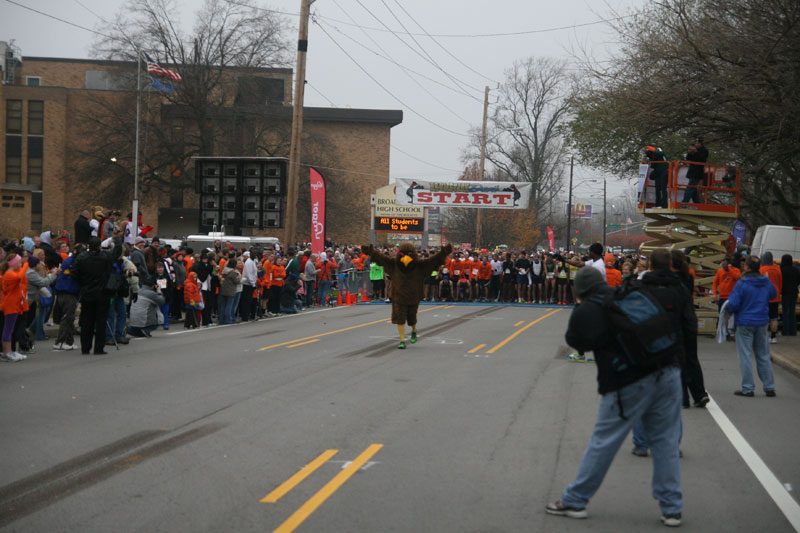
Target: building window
[(35, 117), (35, 160), (13, 159), (13, 116), (33, 81), (36, 210)]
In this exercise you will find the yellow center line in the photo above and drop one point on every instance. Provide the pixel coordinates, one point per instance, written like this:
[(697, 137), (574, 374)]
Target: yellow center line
[(518, 323), (295, 341), (302, 343), (475, 349), (520, 330), (294, 521), (298, 478)]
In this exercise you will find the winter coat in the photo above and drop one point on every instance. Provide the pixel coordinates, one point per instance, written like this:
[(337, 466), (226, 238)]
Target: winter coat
[(144, 311), (230, 278), (15, 291), (138, 259), (65, 284), (749, 299), (310, 271), (191, 290), (180, 273), (36, 282), (83, 230), (91, 270)]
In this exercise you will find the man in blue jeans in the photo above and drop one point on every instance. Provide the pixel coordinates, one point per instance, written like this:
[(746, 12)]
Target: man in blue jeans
[(749, 302), (628, 394)]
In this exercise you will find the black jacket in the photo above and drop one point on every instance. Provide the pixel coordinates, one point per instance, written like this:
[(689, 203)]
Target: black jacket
[(83, 231), (91, 270), (674, 297), (289, 293), (589, 329), (696, 172)]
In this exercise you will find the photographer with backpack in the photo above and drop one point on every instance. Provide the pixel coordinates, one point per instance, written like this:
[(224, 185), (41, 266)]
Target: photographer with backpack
[(637, 348)]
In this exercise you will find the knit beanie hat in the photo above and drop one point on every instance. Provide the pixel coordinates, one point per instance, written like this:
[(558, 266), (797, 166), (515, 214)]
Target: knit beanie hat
[(587, 279), (766, 258), (33, 261)]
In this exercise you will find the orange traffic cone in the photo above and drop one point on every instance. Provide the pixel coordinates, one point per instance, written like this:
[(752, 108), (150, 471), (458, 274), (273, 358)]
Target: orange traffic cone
[(353, 298), (364, 297), (339, 299)]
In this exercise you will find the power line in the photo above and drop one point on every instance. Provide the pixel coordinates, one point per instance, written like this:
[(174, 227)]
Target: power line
[(422, 160), (365, 71), (457, 115), (320, 93), (58, 19), (455, 80), (389, 59), (439, 44)]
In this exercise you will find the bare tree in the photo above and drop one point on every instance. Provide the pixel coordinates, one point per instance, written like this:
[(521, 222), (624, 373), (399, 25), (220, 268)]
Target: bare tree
[(524, 140), (205, 115)]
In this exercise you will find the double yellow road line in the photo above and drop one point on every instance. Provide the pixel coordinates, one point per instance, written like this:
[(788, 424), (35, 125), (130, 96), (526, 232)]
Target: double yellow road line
[(313, 503), (513, 335)]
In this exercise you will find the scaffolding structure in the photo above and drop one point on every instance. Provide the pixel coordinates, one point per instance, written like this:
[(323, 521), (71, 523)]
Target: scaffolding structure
[(701, 229)]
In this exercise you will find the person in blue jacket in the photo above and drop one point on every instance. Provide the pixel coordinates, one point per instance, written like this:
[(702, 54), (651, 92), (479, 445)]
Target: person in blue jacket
[(67, 291), (749, 302)]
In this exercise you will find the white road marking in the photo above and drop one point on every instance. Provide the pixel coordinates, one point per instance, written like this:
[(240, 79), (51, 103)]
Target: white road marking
[(778, 492), (788, 486), (478, 355), (263, 320), (368, 464)]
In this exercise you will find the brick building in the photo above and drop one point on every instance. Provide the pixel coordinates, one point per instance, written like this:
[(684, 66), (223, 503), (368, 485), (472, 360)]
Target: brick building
[(43, 102)]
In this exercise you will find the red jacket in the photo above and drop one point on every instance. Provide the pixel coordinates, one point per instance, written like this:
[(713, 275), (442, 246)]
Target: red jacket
[(191, 291), (773, 272)]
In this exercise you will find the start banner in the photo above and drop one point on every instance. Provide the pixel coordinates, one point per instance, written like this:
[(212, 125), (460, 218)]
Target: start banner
[(491, 194)]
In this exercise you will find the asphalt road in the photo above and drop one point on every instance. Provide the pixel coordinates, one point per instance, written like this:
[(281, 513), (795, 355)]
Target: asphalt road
[(317, 422)]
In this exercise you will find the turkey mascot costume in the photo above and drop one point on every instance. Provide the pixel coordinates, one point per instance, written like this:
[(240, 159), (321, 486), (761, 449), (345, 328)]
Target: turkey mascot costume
[(408, 273)]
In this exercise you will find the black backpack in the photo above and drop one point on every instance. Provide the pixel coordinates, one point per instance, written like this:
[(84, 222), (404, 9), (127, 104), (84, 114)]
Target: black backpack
[(643, 328)]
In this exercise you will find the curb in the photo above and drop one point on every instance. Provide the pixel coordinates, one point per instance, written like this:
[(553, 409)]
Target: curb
[(786, 363)]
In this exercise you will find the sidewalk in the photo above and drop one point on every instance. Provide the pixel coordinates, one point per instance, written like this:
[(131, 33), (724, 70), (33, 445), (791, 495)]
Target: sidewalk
[(787, 353)]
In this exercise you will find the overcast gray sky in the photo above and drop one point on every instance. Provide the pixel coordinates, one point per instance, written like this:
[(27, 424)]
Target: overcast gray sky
[(419, 149)]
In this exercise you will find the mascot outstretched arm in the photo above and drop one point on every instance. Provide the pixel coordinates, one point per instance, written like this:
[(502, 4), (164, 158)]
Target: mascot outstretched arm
[(408, 274)]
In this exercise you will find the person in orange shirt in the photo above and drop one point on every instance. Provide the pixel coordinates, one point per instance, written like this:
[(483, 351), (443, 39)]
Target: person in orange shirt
[(484, 277), (193, 301), (773, 272), (474, 270), (613, 276), (15, 301), (278, 277), (724, 281)]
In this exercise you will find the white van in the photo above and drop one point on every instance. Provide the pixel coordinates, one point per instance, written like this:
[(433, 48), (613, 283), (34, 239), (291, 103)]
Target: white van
[(779, 240)]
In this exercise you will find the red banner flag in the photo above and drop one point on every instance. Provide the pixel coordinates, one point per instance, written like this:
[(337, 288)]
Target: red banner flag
[(317, 212), (551, 239)]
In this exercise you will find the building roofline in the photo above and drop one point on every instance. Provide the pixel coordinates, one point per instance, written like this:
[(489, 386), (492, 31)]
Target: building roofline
[(118, 63), (390, 117)]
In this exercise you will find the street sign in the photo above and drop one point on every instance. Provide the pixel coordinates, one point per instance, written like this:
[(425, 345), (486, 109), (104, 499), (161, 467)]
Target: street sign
[(613, 226)]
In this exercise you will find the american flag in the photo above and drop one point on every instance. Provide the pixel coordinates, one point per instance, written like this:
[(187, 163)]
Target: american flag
[(155, 68)]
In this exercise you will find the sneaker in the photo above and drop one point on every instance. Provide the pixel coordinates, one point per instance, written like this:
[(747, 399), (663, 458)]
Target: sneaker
[(57, 347), (67, 347), (18, 356), (671, 520), (702, 402), (559, 509), (770, 393), (575, 356), (773, 340), (124, 340), (413, 337), (401, 346), (7, 358), (745, 394), (640, 452)]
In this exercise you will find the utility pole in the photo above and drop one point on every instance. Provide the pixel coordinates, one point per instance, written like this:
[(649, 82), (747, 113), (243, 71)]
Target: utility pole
[(569, 202), (478, 217), (605, 229), (293, 185)]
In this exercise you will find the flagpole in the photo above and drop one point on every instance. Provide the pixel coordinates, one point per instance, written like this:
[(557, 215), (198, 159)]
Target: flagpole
[(135, 211)]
